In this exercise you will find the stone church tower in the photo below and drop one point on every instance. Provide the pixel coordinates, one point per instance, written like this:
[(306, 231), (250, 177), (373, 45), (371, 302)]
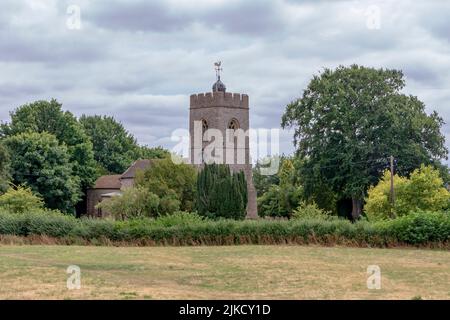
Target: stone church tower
[(221, 119)]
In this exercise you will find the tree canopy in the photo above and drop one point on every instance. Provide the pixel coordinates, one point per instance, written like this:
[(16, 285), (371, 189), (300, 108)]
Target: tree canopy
[(350, 120), (173, 183), (41, 163), (48, 116), (4, 168), (114, 147)]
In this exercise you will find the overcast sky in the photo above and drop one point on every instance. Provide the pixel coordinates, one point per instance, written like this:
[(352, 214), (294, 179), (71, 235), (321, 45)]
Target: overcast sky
[(140, 60)]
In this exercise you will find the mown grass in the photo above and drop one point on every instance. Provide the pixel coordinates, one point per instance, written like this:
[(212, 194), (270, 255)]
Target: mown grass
[(230, 272)]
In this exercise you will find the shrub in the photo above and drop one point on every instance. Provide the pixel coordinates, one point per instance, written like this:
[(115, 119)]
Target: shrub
[(20, 200), (424, 190), (220, 193), (311, 210), (179, 218), (40, 222), (173, 183), (422, 227), (134, 202), (280, 200)]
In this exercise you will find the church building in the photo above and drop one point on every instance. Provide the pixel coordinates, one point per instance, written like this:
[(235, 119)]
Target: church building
[(227, 114), (219, 132)]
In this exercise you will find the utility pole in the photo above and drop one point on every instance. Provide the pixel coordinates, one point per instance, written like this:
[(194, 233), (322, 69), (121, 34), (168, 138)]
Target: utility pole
[(392, 182)]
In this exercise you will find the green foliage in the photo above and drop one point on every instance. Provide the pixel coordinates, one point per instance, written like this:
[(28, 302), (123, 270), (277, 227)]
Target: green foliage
[(424, 190), (41, 163), (38, 222), (281, 199), (311, 211), (173, 183), (179, 218), (135, 202), (48, 116), (421, 228), (263, 182), (220, 193), (20, 200), (5, 175), (114, 147), (145, 152), (349, 120)]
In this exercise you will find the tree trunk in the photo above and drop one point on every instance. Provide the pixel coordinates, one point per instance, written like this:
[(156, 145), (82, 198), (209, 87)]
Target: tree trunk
[(356, 208)]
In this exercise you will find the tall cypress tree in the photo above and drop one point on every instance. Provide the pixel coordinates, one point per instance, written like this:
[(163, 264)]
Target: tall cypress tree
[(221, 193)]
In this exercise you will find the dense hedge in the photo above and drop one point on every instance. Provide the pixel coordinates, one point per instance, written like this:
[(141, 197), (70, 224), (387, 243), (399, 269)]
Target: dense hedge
[(422, 228)]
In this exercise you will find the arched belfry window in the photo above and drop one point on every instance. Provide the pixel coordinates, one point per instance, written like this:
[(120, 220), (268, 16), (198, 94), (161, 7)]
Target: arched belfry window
[(204, 125), (233, 124), (204, 129)]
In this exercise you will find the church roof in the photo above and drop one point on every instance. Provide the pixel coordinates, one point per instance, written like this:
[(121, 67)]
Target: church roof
[(108, 182), (141, 164), (113, 181)]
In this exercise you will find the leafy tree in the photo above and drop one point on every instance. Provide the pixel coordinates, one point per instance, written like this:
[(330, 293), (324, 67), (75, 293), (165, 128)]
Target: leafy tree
[(422, 191), (41, 163), (145, 152), (173, 183), (220, 193), (350, 120), (279, 194), (48, 116), (20, 200), (263, 182), (114, 147), (4, 168), (136, 202), (281, 199)]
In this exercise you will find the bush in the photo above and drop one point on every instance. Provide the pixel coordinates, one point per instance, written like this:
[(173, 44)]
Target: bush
[(311, 210), (420, 228), (20, 200), (134, 202), (281, 199), (173, 183), (178, 219), (424, 190), (40, 222)]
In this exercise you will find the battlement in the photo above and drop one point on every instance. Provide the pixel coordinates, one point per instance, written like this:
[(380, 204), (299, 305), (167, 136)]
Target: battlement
[(219, 99)]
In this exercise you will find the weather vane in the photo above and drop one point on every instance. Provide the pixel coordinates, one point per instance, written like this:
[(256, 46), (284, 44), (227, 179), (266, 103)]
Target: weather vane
[(218, 67)]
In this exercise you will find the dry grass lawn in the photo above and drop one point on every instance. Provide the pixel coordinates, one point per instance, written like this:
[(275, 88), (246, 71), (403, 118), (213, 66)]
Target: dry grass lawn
[(231, 272)]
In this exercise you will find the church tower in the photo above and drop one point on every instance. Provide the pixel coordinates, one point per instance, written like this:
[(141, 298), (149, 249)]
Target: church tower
[(219, 132)]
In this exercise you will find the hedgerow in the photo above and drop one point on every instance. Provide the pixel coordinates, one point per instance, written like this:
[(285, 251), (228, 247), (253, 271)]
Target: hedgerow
[(420, 228)]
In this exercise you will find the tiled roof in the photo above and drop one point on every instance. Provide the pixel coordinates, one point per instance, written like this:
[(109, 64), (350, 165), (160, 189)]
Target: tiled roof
[(137, 165), (108, 182)]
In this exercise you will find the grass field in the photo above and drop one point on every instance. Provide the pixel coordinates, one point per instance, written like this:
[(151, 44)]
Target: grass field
[(231, 272)]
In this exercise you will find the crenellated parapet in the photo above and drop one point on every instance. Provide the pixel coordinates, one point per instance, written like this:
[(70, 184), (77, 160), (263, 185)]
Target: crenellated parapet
[(219, 99)]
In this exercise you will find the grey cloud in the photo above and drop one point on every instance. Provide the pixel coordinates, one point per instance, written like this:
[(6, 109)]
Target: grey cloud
[(139, 60), (253, 18), (136, 16)]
